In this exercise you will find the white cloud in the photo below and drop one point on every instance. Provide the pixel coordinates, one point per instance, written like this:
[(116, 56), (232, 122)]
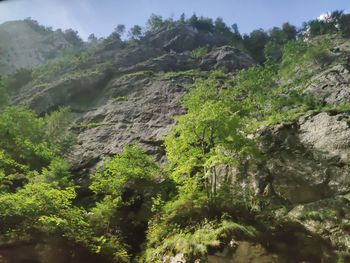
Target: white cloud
[(324, 16)]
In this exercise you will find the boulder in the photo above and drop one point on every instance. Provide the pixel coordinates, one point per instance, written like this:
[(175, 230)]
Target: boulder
[(245, 252), (327, 133), (183, 38), (307, 161), (329, 218), (331, 86), (227, 58)]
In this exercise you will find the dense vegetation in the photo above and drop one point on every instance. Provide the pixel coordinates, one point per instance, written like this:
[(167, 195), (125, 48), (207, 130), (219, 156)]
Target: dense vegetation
[(188, 205)]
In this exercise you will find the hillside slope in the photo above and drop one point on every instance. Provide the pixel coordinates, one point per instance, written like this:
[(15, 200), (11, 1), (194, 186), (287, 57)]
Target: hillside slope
[(256, 157), (25, 45)]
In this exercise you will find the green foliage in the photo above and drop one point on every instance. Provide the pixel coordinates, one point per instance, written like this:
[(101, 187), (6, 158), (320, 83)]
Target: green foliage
[(57, 130), (138, 74), (209, 128), (201, 23), (154, 22), (135, 32), (194, 244), (220, 26), (131, 164), (334, 22), (30, 143), (3, 95), (272, 51), (40, 207), (255, 44), (120, 184), (299, 57), (15, 81), (61, 64), (73, 37), (57, 173), (199, 53), (120, 29), (180, 74), (22, 137)]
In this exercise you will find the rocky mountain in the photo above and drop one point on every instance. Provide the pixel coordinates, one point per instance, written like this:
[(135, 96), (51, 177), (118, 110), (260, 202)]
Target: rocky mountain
[(26, 44), (127, 94), (122, 93)]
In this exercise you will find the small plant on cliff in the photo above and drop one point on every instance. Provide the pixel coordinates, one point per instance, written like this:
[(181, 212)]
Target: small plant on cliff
[(199, 53)]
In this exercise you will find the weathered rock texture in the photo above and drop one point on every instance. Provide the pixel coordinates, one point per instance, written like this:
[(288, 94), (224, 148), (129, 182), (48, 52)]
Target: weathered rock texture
[(227, 58)]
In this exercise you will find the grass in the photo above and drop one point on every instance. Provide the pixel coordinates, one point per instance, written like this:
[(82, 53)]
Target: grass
[(120, 98), (192, 73), (138, 74), (90, 125)]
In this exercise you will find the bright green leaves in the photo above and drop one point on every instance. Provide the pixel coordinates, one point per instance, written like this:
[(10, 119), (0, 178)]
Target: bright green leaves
[(57, 130), (198, 133), (131, 164), (3, 95), (211, 130), (124, 186), (199, 53), (29, 143), (41, 209), (22, 210)]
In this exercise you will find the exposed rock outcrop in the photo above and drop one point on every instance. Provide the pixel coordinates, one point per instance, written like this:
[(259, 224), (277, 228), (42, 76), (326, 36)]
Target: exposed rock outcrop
[(331, 86), (182, 38), (308, 161), (227, 58), (135, 108)]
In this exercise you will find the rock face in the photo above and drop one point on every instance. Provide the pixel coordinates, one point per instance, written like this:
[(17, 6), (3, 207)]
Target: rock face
[(121, 95), (226, 57), (245, 252), (308, 161), (329, 218), (134, 109), (53, 250), (327, 133), (331, 86), (182, 38)]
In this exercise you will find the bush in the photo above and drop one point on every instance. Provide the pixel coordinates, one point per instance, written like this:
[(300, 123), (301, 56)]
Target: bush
[(199, 53)]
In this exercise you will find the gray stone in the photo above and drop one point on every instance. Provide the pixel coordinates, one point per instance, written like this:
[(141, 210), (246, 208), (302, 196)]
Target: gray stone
[(227, 58), (331, 86)]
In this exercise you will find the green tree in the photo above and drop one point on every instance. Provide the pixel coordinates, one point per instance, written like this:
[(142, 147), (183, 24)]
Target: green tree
[(3, 95), (255, 44), (289, 31), (128, 172), (344, 25), (29, 143), (92, 38), (182, 20), (120, 29), (211, 133), (73, 37), (193, 20), (220, 26), (135, 32), (154, 22)]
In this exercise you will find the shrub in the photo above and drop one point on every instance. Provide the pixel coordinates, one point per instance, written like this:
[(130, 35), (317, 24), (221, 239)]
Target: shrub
[(199, 53)]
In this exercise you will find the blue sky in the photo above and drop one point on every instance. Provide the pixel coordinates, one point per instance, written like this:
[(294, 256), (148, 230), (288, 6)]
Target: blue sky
[(101, 16)]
